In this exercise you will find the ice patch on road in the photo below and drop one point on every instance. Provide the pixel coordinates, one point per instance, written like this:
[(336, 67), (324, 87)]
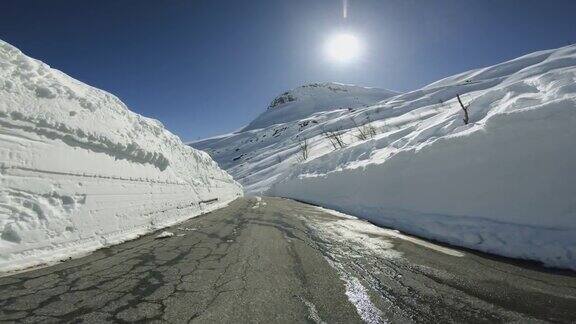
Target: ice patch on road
[(164, 234), (358, 295), (350, 244), (312, 311), (343, 242), (359, 236)]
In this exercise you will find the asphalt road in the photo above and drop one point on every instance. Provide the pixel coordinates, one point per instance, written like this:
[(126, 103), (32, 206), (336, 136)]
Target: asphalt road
[(277, 260)]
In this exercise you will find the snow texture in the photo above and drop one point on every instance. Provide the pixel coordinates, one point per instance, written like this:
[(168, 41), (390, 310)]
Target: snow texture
[(257, 156), (79, 171), (164, 234), (504, 183), (306, 100)]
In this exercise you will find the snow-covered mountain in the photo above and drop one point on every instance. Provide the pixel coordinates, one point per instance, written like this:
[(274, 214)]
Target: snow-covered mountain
[(79, 171), (503, 183), (268, 146), (312, 98)]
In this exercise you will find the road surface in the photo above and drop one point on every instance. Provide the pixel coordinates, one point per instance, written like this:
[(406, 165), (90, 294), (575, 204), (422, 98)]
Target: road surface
[(275, 260)]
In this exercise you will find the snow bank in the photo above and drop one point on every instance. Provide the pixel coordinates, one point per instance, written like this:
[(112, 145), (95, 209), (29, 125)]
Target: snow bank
[(504, 184), (79, 171)]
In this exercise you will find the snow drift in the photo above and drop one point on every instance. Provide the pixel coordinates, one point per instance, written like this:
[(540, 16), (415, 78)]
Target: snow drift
[(504, 183), (79, 171)]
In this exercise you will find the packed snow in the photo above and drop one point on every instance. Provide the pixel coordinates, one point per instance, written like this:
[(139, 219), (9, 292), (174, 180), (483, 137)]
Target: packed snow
[(504, 183), (79, 171)]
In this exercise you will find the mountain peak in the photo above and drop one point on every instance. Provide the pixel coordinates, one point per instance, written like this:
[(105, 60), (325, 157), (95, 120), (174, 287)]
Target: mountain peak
[(308, 99), (322, 88)]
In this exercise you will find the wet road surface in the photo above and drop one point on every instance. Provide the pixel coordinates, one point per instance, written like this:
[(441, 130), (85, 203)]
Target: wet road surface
[(276, 260)]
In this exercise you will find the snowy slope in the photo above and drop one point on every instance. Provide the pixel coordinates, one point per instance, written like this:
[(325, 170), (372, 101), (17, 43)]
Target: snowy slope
[(312, 98), (504, 183), (79, 171), (267, 147)]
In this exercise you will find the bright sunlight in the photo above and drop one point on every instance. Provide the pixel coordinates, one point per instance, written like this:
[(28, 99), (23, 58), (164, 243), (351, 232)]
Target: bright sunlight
[(343, 48)]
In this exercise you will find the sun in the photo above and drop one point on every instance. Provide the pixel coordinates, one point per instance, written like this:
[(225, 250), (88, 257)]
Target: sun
[(343, 48)]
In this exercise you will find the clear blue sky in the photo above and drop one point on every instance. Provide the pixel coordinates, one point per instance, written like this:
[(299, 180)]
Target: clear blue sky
[(208, 67)]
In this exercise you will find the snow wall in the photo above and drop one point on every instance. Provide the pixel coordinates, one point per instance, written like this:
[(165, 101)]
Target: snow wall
[(504, 184), (79, 171)]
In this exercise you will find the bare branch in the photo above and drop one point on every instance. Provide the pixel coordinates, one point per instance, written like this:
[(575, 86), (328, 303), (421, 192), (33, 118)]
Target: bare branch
[(365, 131), (335, 139), (304, 150), (465, 109), (361, 134)]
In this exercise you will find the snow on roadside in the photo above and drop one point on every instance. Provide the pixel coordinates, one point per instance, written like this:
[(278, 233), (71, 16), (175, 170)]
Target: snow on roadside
[(503, 184), (164, 234), (79, 171), (351, 224)]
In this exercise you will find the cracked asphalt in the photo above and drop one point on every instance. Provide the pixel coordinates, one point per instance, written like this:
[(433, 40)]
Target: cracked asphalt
[(277, 260)]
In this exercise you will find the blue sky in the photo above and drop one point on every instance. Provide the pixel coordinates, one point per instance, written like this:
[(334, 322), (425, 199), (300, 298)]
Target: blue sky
[(207, 67)]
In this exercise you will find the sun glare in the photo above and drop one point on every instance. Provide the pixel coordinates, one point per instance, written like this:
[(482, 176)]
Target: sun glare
[(343, 48)]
